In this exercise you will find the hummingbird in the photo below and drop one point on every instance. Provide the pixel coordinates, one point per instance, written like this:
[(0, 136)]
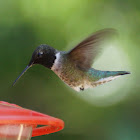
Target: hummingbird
[(74, 67)]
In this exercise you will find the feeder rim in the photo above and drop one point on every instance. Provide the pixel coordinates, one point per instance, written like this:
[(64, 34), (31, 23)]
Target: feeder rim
[(13, 114)]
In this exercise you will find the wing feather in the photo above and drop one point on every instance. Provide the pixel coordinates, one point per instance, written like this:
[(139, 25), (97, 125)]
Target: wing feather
[(85, 52)]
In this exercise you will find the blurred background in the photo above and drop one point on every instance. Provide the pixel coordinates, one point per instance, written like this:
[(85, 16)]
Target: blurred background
[(108, 112)]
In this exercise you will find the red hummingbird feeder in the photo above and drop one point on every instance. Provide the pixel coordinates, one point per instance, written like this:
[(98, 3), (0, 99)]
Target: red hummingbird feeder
[(17, 123)]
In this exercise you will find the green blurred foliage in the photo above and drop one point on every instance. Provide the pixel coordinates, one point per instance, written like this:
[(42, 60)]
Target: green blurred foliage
[(25, 24)]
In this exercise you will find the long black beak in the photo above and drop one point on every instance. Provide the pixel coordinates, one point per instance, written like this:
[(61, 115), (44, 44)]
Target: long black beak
[(21, 74)]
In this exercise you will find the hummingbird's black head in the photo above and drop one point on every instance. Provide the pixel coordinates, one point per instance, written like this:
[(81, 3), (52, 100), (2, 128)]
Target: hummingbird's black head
[(44, 55)]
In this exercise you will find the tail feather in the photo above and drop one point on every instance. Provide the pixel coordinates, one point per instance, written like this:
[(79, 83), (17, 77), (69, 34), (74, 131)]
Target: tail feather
[(115, 73), (123, 72), (106, 76)]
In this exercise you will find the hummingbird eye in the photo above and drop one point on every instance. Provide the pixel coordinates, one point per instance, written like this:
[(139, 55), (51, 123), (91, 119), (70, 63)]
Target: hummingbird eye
[(39, 55)]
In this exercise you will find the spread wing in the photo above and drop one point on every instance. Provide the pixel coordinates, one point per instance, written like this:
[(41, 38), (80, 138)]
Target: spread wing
[(85, 52)]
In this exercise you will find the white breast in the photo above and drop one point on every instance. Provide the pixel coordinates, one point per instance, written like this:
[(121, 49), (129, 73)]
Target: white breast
[(57, 63)]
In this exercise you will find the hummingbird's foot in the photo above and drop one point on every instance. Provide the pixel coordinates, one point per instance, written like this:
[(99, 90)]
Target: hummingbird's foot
[(81, 88)]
